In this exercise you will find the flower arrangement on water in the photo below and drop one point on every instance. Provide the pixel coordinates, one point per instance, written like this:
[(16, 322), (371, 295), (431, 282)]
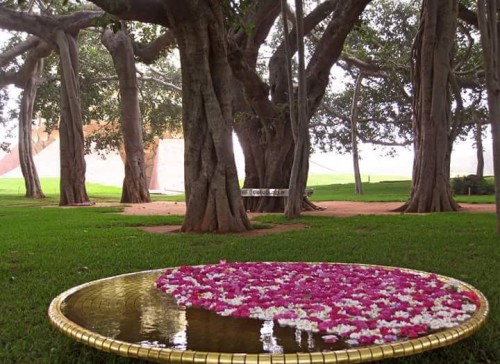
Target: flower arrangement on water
[(361, 305)]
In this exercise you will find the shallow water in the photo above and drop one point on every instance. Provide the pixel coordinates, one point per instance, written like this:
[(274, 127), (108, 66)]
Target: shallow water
[(131, 309)]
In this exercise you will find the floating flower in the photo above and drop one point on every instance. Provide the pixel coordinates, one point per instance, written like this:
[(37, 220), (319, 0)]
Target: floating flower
[(362, 305)]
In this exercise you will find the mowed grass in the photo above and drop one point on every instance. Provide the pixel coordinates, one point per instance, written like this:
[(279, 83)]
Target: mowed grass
[(389, 189), (342, 178), (373, 192), (380, 192), (12, 190), (47, 250)]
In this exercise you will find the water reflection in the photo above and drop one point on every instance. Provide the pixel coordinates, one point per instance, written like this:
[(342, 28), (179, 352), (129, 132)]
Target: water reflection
[(130, 308), (269, 341), (179, 340)]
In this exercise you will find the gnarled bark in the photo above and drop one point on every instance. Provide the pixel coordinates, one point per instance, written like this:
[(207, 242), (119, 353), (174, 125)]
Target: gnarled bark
[(212, 192), (62, 31), (135, 184), (28, 168), (213, 196), (432, 53), (73, 191), (26, 77), (274, 127)]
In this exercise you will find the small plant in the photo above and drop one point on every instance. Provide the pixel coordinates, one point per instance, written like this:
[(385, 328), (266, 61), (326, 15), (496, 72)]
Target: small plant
[(472, 185)]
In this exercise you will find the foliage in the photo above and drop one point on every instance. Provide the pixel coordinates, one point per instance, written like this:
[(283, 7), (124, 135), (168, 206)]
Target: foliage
[(5, 117), (472, 185), (160, 106), (234, 11), (382, 41), (8, 113)]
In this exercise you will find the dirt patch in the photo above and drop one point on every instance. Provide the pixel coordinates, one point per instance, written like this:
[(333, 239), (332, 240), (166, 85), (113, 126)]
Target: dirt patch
[(331, 208), (154, 208)]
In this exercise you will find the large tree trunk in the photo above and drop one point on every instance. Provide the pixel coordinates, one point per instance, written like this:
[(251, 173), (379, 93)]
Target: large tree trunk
[(274, 127), (266, 165), (62, 31), (135, 186), (73, 191), (431, 190), (26, 77), (28, 168), (488, 15), (358, 186), (213, 196)]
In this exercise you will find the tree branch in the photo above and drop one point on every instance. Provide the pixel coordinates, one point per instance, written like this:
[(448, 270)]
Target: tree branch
[(277, 73), (329, 49), (10, 54), (148, 11), (149, 52), (335, 113), (368, 68), (468, 16), (243, 48), (8, 78), (143, 78), (458, 123), (256, 90), (24, 74), (45, 26), (468, 51), (250, 93), (385, 143), (261, 18), (160, 82)]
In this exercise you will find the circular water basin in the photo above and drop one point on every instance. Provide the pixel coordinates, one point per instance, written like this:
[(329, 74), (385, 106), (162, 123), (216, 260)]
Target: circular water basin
[(129, 316)]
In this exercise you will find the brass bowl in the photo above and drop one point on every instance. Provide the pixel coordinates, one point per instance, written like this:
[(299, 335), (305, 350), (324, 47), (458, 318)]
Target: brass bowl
[(115, 315)]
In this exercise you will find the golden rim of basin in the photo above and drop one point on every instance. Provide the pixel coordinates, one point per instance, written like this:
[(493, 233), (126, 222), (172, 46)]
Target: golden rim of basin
[(129, 292)]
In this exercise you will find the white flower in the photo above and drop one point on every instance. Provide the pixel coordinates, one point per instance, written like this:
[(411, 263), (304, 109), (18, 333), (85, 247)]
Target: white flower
[(403, 314), (469, 307), (463, 317), (340, 329)]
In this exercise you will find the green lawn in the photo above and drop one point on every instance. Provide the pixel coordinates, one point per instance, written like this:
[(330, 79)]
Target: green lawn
[(12, 189), (340, 178), (388, 188), (46, 250), (382, 191), (379, 189)]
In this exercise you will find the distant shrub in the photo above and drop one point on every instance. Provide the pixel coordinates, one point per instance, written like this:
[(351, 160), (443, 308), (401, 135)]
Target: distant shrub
[(473, 185)]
